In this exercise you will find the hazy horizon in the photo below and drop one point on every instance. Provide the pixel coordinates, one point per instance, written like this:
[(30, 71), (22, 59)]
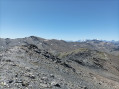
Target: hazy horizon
[(62, 39), (62, 19)]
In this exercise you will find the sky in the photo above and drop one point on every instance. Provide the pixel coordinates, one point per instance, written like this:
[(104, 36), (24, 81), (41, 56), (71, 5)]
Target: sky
[(60, 19)]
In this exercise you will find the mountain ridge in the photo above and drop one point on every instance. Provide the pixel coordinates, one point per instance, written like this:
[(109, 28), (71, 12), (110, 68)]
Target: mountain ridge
[(61, 45), (38, 63)]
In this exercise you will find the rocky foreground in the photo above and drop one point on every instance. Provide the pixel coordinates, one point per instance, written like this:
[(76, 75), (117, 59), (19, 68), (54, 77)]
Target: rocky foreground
[(30, 66)]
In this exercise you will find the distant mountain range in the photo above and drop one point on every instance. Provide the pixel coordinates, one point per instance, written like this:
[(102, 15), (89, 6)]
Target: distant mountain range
[(61, 45), (38, 63), (113, 41)]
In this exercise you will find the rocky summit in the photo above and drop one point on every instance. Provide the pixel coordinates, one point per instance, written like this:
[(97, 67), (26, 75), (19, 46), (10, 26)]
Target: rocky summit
[(38, 63)]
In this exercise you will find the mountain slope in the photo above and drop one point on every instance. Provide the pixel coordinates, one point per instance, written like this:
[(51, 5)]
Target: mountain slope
[(28, 66), (37, 63)]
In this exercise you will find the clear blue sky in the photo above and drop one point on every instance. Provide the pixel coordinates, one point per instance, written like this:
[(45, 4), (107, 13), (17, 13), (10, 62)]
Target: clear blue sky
[(60, 19)]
